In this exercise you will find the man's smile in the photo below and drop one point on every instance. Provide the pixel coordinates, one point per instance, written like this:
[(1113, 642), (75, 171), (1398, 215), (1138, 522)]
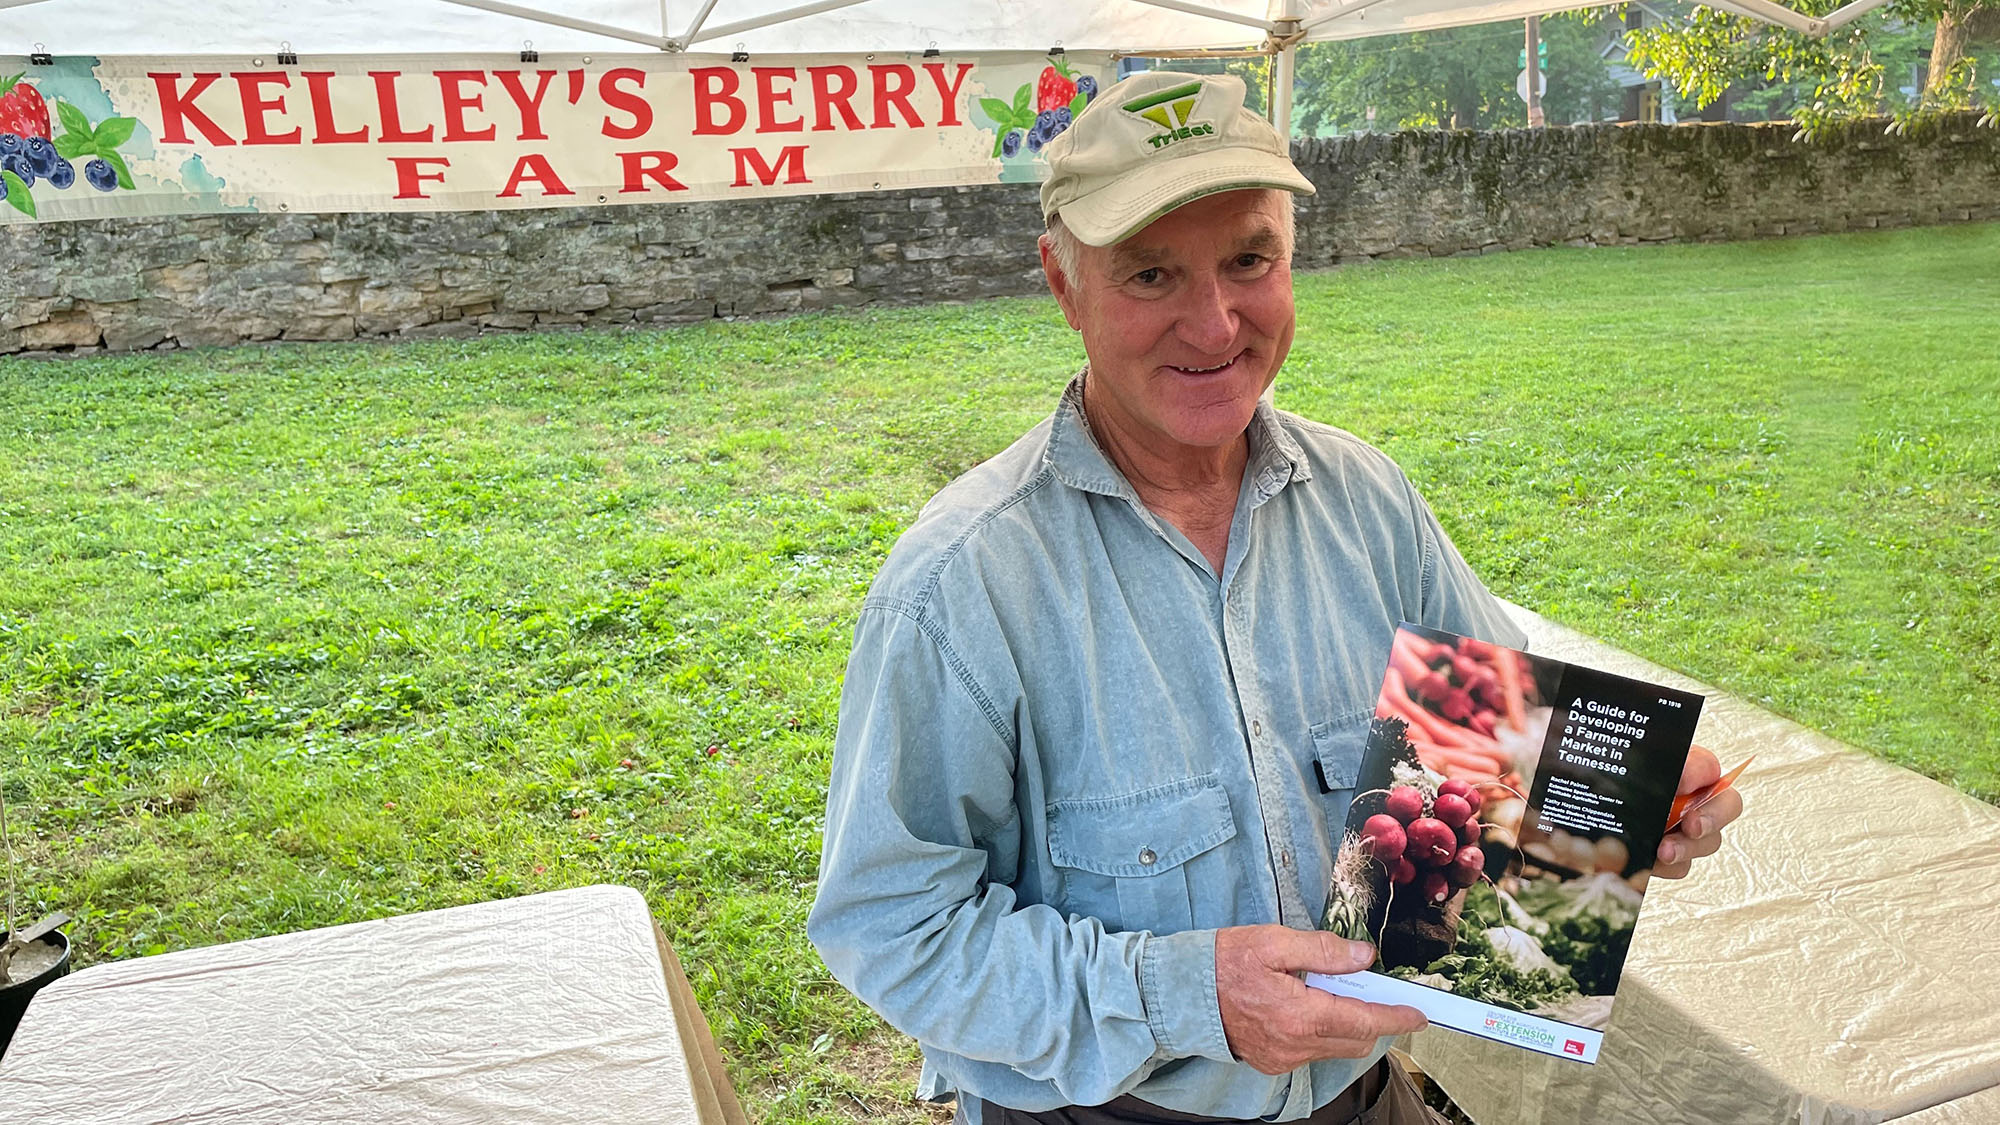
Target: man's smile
[(1192, 370)]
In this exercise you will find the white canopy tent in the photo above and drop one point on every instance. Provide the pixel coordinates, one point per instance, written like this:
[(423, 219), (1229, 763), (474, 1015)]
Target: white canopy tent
[(1135, 27)]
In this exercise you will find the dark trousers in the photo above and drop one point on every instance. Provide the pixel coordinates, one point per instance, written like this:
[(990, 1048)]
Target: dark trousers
[(1381, 1096)]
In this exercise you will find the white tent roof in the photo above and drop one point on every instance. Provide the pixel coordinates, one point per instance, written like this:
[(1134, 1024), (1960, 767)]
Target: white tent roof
[(380, 27)]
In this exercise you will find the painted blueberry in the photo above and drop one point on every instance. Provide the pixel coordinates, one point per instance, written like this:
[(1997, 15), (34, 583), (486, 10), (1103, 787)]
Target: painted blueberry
[(1044, 121), (10, 143), (1011, 143), (100, 175), (1063, 118), (16, 163), (40, 155), (1087, 86), (64, 174), (1035, 141)]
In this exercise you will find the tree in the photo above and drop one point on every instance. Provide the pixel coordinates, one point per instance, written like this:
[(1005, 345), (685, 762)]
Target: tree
[(1854, 72), (1460, 78)]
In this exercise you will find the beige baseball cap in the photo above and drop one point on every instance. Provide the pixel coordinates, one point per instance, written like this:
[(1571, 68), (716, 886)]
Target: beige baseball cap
[(1153, 142)]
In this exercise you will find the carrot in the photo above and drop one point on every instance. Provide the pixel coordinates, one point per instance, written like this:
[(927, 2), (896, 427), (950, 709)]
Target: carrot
[(1405, 660), (1510, 685)]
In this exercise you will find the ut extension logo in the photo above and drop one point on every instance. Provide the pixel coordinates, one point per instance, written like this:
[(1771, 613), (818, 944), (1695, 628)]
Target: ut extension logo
[(1169, 110), (1572, 1047)]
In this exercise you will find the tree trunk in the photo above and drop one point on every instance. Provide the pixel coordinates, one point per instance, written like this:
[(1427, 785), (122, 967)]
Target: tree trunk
[(1961, 27)]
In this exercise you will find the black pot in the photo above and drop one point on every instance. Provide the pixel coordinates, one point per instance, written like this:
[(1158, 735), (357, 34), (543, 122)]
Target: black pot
[(14, 997)]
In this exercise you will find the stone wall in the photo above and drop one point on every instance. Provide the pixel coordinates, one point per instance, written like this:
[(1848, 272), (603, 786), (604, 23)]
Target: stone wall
[(176, 281)]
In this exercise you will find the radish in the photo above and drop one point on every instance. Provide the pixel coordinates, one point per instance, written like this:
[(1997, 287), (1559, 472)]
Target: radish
[(1431, 840), (1437, 888), (1452, 809), (1467, 866), (1384, 838), (1405, 872), (1405, 803), (1468, 833)]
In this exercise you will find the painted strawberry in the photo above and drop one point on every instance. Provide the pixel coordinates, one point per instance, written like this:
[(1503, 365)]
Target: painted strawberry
[(22, 110), (1056, 87)]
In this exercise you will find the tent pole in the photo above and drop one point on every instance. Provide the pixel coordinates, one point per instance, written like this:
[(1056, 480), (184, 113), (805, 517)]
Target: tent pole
[(19, 3), (786, 16), (700, 18), (1769, 12), (657, 42), (1847, 13)]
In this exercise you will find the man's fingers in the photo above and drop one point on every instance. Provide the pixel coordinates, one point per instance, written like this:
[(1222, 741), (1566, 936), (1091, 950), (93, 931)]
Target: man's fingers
[(1717, 814), (1702, 769), (1346, 1018), (1313, 951)]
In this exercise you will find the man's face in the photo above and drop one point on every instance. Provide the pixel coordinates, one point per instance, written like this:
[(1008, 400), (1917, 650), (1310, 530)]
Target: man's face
[(1185, 322)]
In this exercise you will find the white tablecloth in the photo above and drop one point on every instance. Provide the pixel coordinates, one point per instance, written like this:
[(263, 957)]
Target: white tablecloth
[(556, 1008)]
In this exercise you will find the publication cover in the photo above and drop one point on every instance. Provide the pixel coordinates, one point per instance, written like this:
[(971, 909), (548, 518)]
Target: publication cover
[(1506, 815)]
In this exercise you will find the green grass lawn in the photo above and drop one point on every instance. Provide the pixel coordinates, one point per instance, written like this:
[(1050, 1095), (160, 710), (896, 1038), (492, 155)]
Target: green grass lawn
[(306, 635)]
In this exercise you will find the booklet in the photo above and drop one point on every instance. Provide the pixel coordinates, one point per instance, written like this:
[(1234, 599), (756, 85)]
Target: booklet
[(1505, 819)]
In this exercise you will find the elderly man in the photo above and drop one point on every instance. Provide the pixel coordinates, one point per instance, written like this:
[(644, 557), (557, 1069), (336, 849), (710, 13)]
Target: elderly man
[(1109, 693)]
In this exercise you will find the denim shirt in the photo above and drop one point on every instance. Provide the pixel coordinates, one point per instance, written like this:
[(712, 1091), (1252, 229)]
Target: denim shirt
[(1069, 752)]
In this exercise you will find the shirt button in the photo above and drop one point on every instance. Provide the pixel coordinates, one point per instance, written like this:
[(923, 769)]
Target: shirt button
[(1285, 858), (1146, 857), (1256, 728)]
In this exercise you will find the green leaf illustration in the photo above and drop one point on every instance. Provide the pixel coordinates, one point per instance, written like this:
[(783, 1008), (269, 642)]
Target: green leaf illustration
[(1021, 97), (69, 146), (1001, 113), (117, 163), (17, 194), (73, 119), (113, 131), (1076, 105)]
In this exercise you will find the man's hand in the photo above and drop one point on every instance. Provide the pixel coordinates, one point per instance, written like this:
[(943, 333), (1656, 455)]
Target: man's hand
[(1273, 1021), (1701, 833)]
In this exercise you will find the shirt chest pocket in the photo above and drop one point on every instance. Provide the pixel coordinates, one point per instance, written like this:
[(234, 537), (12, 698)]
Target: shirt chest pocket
[(1126, 860), (1337, 749)]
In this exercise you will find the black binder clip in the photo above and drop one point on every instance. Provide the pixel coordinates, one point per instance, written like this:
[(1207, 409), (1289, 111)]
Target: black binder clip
[(528, 52), (40, 56), (740, 55), (931, 51), (287, 56)]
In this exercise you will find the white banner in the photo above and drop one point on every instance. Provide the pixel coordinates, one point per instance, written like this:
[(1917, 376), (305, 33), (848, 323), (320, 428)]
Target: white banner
[(89, 138)]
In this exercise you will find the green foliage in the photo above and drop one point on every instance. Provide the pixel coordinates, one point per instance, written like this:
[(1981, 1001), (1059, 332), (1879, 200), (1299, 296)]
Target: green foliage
[(1431, 79), (1479, 973), (1856, 71), (1592, 947)]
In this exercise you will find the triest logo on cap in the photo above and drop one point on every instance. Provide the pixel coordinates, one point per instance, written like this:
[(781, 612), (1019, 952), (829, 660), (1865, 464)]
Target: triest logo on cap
[(1169, 109)]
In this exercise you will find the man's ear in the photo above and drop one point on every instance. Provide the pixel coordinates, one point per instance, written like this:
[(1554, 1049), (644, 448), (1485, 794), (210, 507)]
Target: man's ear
[(1059, 285)]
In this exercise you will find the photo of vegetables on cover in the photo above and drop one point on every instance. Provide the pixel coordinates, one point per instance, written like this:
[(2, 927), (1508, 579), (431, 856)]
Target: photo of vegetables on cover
[(1448, 864)]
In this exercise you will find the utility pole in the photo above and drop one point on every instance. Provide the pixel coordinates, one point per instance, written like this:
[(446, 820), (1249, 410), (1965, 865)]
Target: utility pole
[(1531, 61)]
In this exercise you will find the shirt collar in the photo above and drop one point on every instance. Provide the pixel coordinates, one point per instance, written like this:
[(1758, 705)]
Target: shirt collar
[(1276, 458)]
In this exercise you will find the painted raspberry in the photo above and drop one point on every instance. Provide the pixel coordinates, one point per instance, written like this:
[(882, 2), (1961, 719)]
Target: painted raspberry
[(1054, 88), (100, 175), (22, 110)]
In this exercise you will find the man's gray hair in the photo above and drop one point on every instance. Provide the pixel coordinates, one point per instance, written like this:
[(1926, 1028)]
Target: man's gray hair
[(1066, 249)]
